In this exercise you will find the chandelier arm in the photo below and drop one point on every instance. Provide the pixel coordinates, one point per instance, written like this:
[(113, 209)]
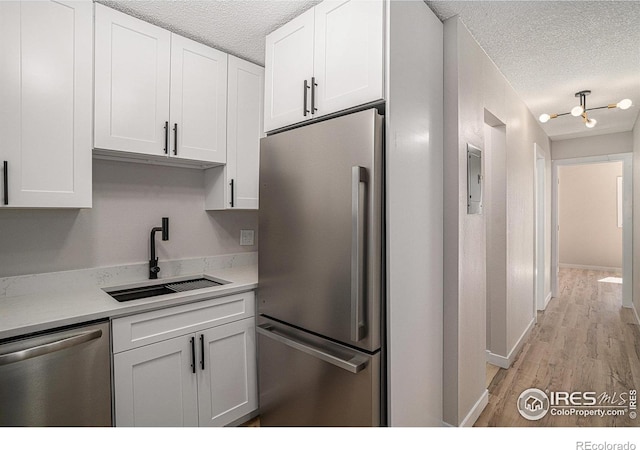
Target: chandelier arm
[(599, 107)]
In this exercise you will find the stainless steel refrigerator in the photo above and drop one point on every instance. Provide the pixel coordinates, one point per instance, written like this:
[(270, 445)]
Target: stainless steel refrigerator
[(321, 274)]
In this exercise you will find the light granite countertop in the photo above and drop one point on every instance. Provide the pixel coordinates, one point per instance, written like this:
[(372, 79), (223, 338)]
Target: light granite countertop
[(34, 303)]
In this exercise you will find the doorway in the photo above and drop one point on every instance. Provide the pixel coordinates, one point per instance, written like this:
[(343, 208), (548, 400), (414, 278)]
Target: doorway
[(627, 224), (494, 198)]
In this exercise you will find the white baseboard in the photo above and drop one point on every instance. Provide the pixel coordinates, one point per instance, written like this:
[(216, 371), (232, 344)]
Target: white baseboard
[(497, 360), (547, 300), (601, 268), (635, 312), (477, 409), (506, 361)]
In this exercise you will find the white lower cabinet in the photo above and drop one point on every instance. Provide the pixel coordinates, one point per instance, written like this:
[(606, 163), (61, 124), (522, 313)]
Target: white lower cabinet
[(204, 377), (227, 385), (155, 385)]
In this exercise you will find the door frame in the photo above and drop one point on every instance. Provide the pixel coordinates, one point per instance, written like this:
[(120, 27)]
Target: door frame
[(627, 219), (540, 297)]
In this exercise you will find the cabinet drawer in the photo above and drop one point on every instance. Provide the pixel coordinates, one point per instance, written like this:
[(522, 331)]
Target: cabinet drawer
[(154, 326)]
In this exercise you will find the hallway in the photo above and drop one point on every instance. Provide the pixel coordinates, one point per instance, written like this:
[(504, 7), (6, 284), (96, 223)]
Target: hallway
[(584, 341)]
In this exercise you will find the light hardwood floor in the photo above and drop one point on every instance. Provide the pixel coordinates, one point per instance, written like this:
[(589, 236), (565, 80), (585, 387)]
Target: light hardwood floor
[(255, 422), (583, 341)]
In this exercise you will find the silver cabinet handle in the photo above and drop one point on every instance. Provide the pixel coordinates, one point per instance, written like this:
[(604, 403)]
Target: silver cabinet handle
[(358, 178), (51, 347), (354, 365)]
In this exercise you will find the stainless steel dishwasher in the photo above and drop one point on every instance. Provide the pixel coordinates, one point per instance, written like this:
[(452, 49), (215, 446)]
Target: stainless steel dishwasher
[(57, 378)]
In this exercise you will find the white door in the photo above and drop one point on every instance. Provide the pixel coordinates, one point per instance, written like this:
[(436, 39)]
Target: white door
[(227, 387), (288, 63), (132, 60), (45, 108), (198, 101), (244, 130), (348, 57), (155, 385)]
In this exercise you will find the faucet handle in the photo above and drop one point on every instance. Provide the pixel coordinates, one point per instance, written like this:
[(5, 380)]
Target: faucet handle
[(155, 269), (165, 228)]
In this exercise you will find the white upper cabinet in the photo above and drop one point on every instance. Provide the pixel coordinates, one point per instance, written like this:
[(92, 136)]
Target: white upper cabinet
[(348, 56), (288, 72), (198, 101), (157, 93), (326, 60), (46, 53), (131, 83), (235, 186)]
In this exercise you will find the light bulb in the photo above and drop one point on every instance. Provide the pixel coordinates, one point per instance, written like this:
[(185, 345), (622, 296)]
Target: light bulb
[(624, 104), (591, 123), (544, 118), (577, 111)]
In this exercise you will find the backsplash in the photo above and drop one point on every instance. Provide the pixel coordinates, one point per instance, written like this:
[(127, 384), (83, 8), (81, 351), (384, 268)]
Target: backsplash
[(128, 200)]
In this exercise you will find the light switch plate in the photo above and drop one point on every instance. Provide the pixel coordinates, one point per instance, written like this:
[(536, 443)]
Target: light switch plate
[(246, 237)]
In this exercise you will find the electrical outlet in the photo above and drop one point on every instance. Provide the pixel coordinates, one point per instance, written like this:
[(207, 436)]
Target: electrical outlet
[(246, 237)]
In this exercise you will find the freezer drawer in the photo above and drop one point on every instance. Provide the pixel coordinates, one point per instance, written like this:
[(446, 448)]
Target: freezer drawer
[(309, 381)]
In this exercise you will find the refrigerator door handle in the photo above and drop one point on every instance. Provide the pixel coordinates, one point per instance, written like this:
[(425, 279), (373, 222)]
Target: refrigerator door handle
[(358, 178), (354, 365)]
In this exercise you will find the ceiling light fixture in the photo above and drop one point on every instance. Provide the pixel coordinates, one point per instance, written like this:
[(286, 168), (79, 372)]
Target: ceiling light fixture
[(581, 110)]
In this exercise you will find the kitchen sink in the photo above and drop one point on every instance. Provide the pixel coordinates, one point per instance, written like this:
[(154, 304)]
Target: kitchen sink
[(167, 287)]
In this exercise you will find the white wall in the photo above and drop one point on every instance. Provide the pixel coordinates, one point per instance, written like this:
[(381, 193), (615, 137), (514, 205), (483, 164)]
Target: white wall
[(588, 215), (636, 215), (473, 84), (128, 200), (414, 214), (604, 144)]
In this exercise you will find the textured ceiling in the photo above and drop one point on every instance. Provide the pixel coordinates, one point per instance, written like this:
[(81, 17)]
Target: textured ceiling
[(237, 27), (548, 50)]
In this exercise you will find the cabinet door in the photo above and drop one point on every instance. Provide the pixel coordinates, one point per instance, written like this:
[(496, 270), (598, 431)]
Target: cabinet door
[(155, 385), (227, 387), (131, 83), (288, 63), (198, 101), (348, 55), (244, 130), (45, 103)]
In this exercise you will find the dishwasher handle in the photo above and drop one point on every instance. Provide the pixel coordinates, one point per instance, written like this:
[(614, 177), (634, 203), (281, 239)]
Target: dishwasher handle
[(51, 347)]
